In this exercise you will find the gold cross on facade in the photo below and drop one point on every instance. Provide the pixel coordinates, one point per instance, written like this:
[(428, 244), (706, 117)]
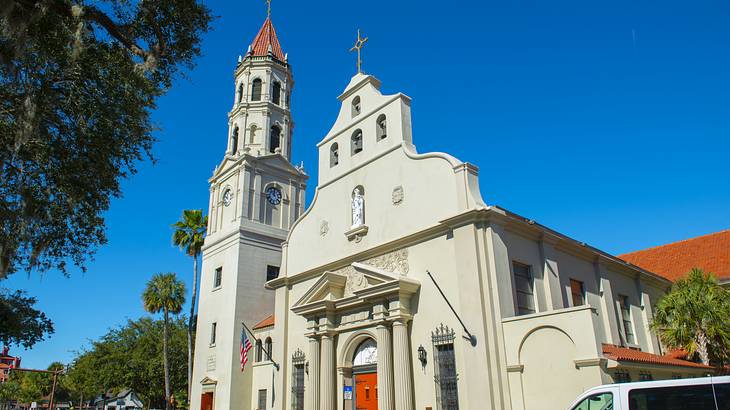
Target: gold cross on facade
[(268, 8), (358, 46)]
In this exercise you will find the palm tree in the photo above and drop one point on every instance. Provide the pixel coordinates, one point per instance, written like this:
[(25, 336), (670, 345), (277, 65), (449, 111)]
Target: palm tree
[(164, 293), (189, 236), (694, 316)]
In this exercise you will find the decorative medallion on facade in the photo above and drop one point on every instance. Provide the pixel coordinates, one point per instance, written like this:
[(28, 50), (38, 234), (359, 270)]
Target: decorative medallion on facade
[(397, 195), (324, 227)]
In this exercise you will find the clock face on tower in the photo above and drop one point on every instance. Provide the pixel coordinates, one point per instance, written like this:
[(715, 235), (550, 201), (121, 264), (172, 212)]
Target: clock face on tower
[(273, 195), (227, 197)]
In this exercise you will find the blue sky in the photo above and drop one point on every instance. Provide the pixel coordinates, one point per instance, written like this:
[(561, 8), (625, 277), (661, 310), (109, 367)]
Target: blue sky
[(608, 121)]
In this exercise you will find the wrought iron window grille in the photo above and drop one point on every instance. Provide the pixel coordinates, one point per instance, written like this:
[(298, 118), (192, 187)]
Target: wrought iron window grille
[(445, 376), (298, 361)]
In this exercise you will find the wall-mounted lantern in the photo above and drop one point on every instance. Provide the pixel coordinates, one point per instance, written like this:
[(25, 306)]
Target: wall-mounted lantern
[(422, 355)]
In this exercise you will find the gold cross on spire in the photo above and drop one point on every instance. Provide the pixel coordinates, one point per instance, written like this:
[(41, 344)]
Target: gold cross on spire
[(268, 8), (358, 46)]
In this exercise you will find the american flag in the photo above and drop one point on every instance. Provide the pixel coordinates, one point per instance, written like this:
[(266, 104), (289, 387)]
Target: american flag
[(245, 347)]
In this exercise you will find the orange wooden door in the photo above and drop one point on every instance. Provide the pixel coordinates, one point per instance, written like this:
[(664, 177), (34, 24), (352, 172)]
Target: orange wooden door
[(366, 391), (206, 401)]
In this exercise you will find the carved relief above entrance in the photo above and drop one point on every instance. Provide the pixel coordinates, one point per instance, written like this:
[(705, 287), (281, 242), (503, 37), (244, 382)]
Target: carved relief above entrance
[(393, 262), (396, 261)]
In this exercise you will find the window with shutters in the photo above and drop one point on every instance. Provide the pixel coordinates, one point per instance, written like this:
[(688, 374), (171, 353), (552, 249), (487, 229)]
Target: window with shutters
[(524, 288), (447, 394), (623, 300), (577, 292), (297, 383)]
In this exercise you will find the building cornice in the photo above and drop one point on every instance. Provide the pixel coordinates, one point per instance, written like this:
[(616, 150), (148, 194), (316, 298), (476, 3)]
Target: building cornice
[(480, 216)]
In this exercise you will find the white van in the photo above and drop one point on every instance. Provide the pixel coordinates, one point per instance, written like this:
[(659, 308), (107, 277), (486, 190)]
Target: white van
[(705, 393)]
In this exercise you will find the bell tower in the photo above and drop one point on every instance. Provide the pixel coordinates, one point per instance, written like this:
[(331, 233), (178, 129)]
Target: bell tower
[(256, 194), (260, 121)]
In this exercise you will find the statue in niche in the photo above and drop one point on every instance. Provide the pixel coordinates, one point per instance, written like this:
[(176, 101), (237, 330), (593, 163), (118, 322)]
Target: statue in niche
[(358, 208)]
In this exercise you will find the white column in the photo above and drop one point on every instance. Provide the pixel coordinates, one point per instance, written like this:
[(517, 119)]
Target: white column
[(402, 366), (385, 368), (313, 374), (327, 385)]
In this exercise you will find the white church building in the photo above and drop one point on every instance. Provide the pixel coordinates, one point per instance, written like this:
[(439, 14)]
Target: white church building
[(399, 287)]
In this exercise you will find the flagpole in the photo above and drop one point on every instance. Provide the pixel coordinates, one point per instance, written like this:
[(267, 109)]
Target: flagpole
[(276, 365)]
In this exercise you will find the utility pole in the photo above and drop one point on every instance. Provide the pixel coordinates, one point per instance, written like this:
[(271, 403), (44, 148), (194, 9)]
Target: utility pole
[(55, 374)]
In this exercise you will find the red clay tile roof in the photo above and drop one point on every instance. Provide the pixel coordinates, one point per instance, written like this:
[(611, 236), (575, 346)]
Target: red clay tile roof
[(624, 354), (269, 321), (265, 38), (677, 354), (710, 253)]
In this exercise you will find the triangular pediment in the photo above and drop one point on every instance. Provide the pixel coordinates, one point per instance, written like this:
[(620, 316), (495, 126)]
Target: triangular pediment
[(276, 161), (330, 286), (208, 381)]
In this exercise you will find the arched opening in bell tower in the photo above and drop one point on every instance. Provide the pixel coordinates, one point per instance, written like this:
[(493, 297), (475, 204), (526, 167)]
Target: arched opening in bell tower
[(276, 93), (234, 140), (256, 90), (274, 138)]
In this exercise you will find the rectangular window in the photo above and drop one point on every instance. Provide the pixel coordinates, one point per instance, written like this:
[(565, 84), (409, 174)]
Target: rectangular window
[(217, 277), (626, 318), (645, 377), (577, 292), (272, 272), (696, 397), (621, 376), (213, 327), (524, 286), (447, 394), (262, 399)]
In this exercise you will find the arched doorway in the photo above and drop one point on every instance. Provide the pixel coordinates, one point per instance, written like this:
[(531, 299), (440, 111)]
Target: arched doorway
[(365, 376)]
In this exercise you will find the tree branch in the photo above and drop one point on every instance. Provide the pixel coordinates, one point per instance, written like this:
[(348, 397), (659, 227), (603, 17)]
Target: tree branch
[(93, 14)]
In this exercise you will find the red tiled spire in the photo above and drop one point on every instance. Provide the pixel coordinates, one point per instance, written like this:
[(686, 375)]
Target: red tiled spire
[(266, 41)]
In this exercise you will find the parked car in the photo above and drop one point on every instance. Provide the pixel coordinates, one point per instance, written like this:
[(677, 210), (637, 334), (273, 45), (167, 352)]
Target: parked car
[(704, 393)]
